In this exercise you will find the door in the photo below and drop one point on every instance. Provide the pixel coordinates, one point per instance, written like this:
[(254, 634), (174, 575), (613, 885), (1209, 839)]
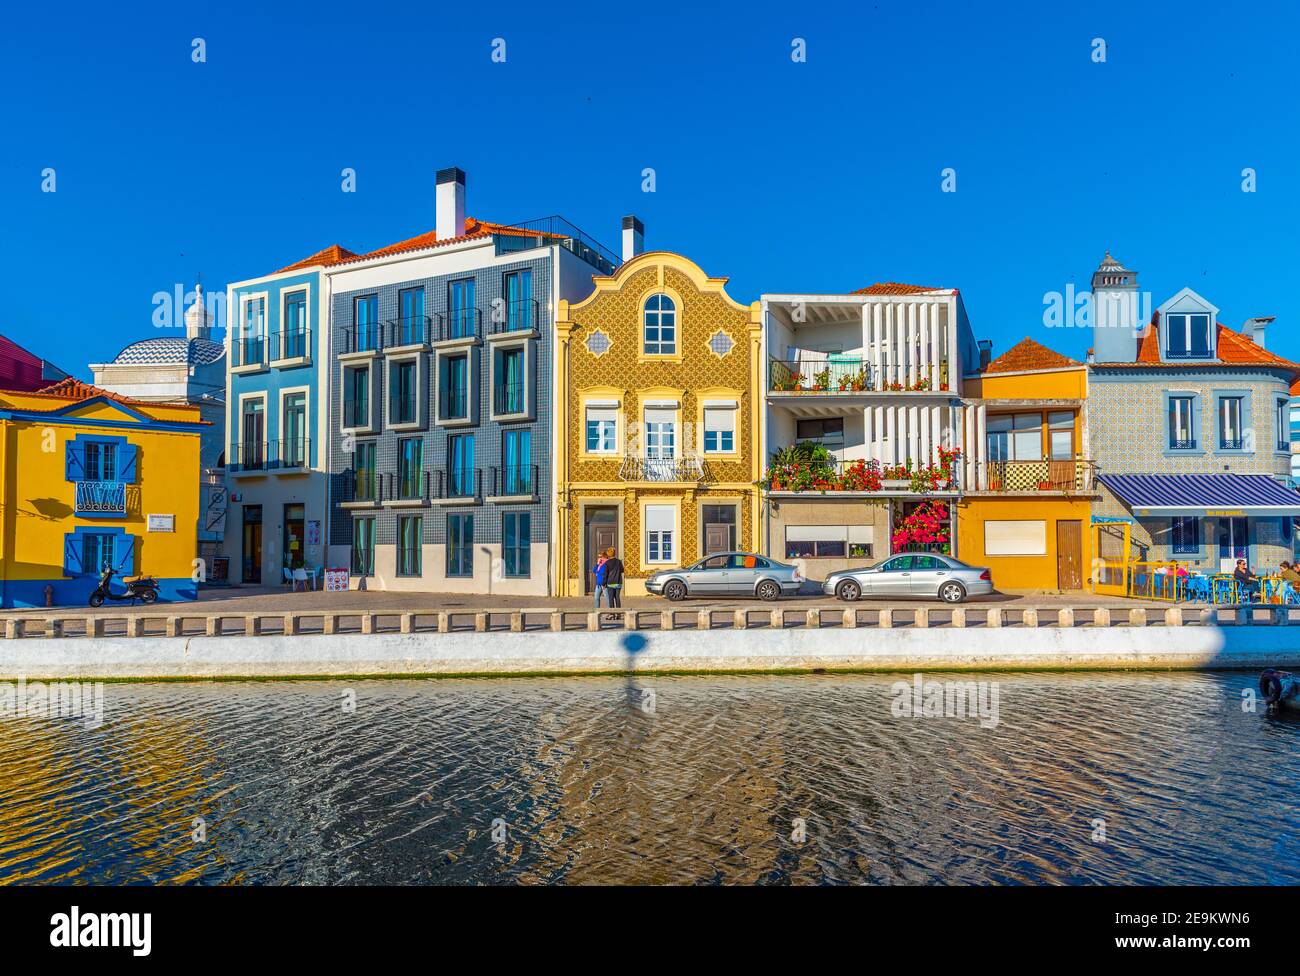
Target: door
[(1233, 543), (894, 578), (927, 573), (1069, 555), (252, 551), (717, 538), (294, 535), (710, 576), (601, 533)]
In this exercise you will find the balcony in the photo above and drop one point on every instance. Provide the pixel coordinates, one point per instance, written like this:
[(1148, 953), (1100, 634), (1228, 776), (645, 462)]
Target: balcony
[(247, 352), (360, 488), (412, 331), (292, 454), (514, 481), (356, 413), (410, 487), (799, 470), (99, 498), (457, 325), (508, 399), (248, 457), (849, 377), (1065, 476), (458, 486), (682, 468), (365, 338), (547, 231), (453, 405), (294, 345), (515, 317)]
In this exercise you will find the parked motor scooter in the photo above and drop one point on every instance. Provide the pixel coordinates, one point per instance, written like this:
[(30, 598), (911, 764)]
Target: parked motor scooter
[(142, 588)]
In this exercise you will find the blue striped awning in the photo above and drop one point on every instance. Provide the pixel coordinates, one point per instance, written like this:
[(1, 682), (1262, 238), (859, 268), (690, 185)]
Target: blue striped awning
[(1203, 494)]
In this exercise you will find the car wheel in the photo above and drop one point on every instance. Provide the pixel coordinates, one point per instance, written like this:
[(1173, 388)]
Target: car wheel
[(848, 591), (952, 592), (675, 591), (768, 591)]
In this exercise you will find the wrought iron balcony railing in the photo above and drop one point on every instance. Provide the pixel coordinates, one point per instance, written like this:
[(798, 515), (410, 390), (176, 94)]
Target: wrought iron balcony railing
[(682, 467), (518, 479), (518, 316), (295, 344)]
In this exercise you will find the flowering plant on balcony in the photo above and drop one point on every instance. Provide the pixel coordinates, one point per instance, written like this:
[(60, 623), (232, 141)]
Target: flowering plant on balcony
[(921, 384), (926, 527), (855, 382), (822, 379)]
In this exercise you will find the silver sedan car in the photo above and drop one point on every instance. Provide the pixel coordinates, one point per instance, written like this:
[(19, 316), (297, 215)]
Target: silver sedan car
[(917, 574), (735, 574)]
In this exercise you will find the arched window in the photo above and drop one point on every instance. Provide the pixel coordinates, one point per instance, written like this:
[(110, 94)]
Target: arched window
[(660, 326)]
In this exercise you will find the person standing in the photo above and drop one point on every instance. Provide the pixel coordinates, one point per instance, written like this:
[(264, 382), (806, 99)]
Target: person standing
[(613, 578), (599, 573)]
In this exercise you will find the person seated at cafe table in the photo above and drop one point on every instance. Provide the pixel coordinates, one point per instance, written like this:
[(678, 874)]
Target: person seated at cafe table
[(1247, 582), (1288, 572)]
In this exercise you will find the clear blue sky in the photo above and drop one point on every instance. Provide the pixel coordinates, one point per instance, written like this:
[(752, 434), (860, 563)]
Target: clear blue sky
[(817, 176)]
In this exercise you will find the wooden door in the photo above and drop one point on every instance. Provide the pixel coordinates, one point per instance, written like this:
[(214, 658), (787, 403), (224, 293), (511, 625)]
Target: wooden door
[(602, 534), (717, 538), (1069, 555)]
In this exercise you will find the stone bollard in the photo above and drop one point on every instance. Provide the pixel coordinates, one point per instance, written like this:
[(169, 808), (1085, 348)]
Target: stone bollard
[(778, 619), (740, 620), (95, 627), (173, 627), (1210, 617), (1065, 617), (516, 621), (959, 616), (557, 620), (1173, 616), (13, 628), (667, 620), (252, 625), (329, 623), (406, 623), (1101, 617), (995, 617), (212, 627), (134, 626), (367, 623), (630, 620), (1137, 617), (480, 622), (54, 627), (1029, 617), (813, 618), (291, 625), (444, 622), (850, 617), (1245, 617), (1282, 616), (922, 618), (886, 618), (593, 620), (704, 620)]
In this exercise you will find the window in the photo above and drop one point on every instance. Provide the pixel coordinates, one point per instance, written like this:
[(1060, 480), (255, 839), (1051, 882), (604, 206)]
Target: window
[(1186, 536), (1061, 435), (812, 541), (461, 473), (508, 394), (294, 341), (96, 552), (402, 380), (1230, 433), (660, 432), (410, 467), (252, 448), (602, 428), (293, 452), (363, 472), (720, 344), (520, 310), (253, 335), (460, 545), (1015, 537), (410, 317), (409, 537), (1182, 435), (363, 546), (454, 387), (516, 543), (1015, 437), (517, 462), (829, 431), (366, 330), (719, 429), (1283, 425), (598, 343), (356, 396), (101, 461), (461, 311), (660, 526), (660, 326), (1188, 336)]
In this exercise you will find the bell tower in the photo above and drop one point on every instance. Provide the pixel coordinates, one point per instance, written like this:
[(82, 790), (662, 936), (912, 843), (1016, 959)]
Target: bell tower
[(1115, 312)]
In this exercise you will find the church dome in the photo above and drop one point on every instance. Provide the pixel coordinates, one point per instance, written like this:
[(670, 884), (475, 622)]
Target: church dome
[(170, 351)]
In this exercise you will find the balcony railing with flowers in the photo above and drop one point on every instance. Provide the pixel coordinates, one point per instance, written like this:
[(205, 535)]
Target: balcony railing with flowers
[(852, 376), (811, 467)]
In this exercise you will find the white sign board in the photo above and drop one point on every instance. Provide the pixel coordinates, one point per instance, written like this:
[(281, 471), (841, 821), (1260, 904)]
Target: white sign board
[(162, 523), (336, 580)]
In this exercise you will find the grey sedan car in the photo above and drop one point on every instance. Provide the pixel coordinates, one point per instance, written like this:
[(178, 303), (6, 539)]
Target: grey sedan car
[(919, 574), (737, 574)]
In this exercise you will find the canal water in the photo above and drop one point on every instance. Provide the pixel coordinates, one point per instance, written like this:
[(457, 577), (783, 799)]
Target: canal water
[(1062, 779)]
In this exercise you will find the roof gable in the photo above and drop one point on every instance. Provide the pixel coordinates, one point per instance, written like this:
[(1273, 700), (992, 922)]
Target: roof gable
[(1026, 356)]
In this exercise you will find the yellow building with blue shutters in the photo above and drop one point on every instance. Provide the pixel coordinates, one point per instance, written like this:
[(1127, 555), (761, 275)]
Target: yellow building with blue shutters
[(88, 478)]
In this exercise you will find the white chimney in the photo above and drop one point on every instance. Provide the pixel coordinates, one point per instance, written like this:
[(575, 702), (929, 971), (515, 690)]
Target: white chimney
[(1254, 328), (450, 204), (633, 238)]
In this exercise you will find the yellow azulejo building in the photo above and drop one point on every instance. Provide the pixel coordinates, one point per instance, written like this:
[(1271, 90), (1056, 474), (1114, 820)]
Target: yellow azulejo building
[(656, 422), (1028, 480), (88, 479)]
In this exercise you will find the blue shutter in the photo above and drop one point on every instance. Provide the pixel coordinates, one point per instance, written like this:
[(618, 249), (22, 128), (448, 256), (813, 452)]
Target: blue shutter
[(72, 554), (74, 462), (124, 555), (126, 470)]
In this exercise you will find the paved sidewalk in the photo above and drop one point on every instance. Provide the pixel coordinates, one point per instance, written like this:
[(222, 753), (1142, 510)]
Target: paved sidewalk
[(266, 600)]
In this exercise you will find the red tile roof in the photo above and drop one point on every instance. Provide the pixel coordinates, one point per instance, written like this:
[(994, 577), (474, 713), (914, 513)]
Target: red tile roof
[(1231, 349), (1028, 355), (74, 389), (334, 254), (473, 228), (898, 288)]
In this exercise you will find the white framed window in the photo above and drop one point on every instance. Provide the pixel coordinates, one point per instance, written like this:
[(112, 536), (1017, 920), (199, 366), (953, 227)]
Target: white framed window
[(601, 425), (1188, 336), (660, 532), (1015, 537), (660, 326), (660, 433), (720, 428), (829, 541)]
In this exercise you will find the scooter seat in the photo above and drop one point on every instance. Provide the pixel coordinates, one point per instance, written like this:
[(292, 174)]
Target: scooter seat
[(136, 579)]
